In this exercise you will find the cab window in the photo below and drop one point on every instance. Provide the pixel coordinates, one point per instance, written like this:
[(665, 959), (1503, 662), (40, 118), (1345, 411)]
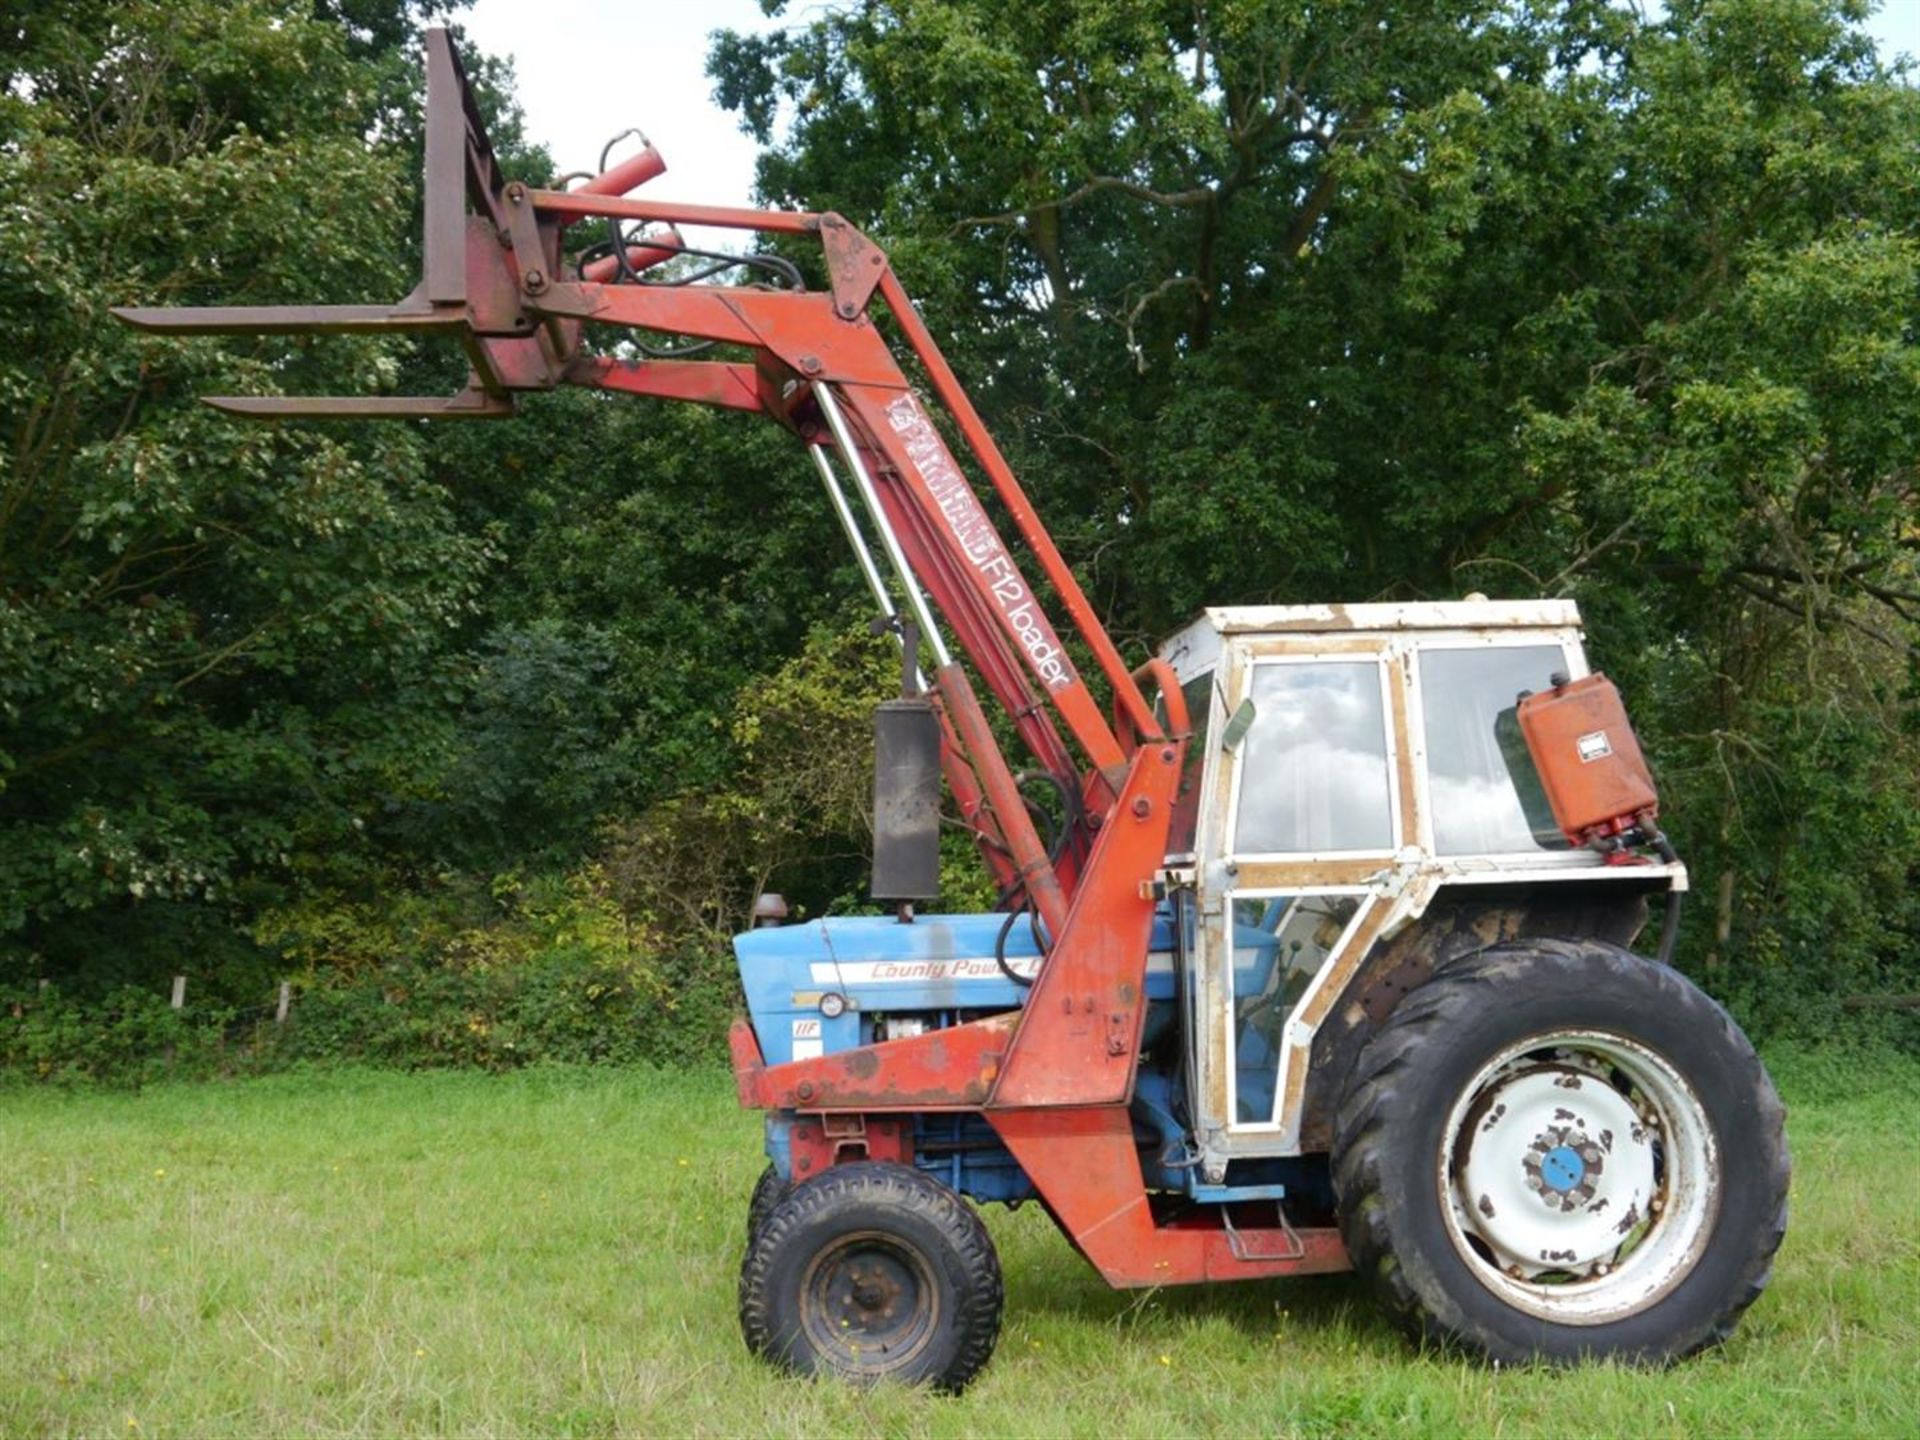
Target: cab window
[(1483, 792), (1313, 771), (1198, 693), (1279, 945)]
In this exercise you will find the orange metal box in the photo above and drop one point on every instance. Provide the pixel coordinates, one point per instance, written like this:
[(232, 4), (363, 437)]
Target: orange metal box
[(1588, 757)]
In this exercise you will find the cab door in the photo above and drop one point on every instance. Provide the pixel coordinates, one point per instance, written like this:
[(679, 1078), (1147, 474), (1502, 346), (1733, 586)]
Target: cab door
[(1305, 835)]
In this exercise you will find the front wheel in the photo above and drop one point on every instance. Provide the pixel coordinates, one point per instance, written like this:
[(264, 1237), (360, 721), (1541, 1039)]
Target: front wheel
[(768, 1191), (1560, 1150), (872, 1271)]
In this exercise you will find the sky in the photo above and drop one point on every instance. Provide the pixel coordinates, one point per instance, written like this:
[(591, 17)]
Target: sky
[(589, 69)]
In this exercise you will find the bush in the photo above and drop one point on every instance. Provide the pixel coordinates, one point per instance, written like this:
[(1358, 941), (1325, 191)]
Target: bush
[(570, 1006), (541, 969), (128, 1035), (519, 972)]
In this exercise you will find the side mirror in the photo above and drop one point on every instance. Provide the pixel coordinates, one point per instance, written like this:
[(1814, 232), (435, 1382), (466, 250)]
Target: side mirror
[(1238, 724)]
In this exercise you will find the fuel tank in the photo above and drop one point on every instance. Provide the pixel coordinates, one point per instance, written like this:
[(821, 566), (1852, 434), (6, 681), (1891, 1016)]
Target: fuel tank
[(1587, 756)]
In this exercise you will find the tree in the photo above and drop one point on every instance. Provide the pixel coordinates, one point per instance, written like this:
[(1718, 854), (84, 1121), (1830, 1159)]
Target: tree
[(222, 648), (1267, 301)]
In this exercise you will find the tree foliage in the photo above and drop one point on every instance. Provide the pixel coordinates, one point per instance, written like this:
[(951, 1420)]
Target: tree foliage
[(1266, 300), (219, 645)]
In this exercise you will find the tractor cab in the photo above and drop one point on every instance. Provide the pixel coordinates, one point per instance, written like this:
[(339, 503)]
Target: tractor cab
[(1352, 767)]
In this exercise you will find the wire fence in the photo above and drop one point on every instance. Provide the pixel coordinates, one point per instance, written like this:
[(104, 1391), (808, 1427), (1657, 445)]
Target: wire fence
[(48, 1030), (277, 1009)]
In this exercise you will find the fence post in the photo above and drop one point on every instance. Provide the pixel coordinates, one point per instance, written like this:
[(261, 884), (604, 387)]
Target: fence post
[(286, 998), (179, 992)]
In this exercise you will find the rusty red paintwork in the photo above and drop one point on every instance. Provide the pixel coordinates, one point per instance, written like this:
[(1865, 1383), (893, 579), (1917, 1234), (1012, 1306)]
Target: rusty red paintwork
[(570, 205), (1026, 852), (725, 383), (980, 441), (630, 174), (1004, 676), (749, 1063), (1085, 1163), (1159, 674), (1079, 1036), (855, 266), (899, 427), (822, 1141), (950, 1069)]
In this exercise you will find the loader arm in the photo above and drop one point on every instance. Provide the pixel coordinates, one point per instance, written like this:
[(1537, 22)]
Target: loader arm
[(500, 275)]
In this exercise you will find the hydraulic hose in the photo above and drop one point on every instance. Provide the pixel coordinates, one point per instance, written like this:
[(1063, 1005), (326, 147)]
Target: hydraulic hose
[(1670, 926), (1056, 847), (1000, 947)]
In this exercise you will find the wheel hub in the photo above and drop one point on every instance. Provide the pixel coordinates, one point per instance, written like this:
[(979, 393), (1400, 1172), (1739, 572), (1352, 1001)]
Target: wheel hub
[(1559, 1171), (1563, 1169), (868, 1302), (867, 1292)]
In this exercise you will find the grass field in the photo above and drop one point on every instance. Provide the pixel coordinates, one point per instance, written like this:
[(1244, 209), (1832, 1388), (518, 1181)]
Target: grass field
[(554, 1252)]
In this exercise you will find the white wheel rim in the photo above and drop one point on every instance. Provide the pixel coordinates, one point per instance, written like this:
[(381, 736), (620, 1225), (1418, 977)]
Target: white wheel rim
[(1578, 1176)]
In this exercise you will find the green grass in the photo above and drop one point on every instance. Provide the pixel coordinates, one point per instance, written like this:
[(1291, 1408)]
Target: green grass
[(555, 1252)]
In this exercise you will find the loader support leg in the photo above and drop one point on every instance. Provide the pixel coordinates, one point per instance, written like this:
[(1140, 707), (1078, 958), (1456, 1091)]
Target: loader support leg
[(1085, 1164)]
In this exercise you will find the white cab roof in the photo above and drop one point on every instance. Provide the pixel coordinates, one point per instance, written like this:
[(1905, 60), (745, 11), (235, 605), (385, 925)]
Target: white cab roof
[(1196, 649), (1418, 615)]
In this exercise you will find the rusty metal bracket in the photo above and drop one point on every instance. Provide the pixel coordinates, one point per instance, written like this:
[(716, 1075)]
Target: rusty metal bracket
[(470, 285), (854, 265), (531, 257), (1245, 1244)]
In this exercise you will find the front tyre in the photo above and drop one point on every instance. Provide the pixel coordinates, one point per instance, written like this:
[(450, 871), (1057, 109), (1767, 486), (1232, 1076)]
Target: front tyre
[(1560, 1150), (870, 1272), (768, 1191)]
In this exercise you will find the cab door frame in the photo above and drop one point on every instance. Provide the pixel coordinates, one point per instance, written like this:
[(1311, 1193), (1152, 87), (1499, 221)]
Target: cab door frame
[(1382, 877)]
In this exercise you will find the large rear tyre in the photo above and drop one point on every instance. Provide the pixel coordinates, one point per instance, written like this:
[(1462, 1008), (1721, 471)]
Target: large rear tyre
[(873, 1272), (1561, 1151)]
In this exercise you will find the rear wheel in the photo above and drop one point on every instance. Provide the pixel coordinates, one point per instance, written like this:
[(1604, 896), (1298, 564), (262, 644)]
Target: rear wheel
[(872, 1272), (1561, 1150)]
